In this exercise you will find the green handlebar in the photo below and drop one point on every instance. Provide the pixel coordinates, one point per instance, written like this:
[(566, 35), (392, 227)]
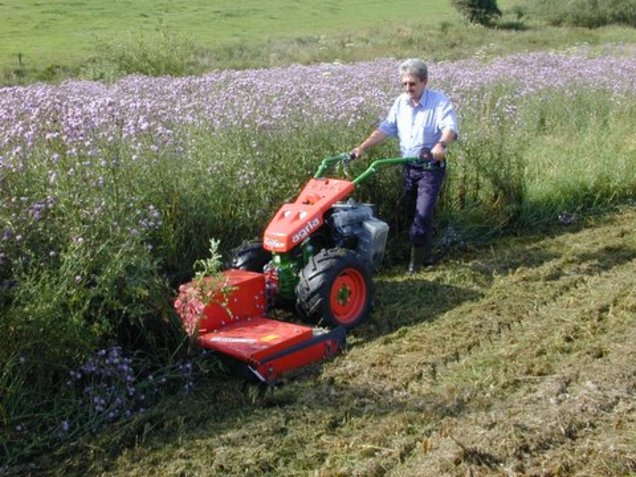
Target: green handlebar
[(381, 163), (326, 163), (372, 169)]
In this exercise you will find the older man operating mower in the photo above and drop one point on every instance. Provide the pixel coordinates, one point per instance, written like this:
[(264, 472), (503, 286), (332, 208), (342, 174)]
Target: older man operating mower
[(421, 119)]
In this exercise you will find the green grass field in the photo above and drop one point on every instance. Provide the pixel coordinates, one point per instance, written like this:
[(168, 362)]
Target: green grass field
[(56, 40), (64, 32)]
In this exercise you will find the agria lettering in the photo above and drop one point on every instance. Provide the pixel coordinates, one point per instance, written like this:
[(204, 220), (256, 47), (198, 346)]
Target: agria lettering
[(302, 233)]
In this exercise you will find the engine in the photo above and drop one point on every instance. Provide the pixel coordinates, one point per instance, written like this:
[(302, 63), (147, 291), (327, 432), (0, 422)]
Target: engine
[(356, 226)]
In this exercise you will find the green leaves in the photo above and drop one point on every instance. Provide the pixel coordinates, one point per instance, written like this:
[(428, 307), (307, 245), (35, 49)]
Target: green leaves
[(483, 12)]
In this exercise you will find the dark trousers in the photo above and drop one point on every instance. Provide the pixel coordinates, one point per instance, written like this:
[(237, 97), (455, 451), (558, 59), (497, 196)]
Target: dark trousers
[(421, 190)]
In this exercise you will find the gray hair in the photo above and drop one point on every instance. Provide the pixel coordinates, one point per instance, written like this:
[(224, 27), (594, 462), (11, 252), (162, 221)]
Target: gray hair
[(414, 66)]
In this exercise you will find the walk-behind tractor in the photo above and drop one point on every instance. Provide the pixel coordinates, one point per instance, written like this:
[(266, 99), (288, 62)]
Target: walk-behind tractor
[(317, 255)]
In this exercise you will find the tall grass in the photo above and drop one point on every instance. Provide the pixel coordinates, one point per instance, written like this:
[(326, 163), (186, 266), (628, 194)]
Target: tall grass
[(585, 13), (563, 153), (159, 53), (109, 194)]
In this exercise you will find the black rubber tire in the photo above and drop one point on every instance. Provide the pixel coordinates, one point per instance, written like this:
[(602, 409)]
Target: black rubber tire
[(250, 256), (335, 288)]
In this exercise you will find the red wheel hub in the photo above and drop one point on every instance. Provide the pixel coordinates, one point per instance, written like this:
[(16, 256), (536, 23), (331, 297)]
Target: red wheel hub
[(348, 295)]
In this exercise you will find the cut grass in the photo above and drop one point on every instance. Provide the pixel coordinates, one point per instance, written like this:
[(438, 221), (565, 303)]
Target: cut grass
[(516, 358)]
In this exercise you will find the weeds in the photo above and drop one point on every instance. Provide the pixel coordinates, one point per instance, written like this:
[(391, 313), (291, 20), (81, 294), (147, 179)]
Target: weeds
[(160, 53)]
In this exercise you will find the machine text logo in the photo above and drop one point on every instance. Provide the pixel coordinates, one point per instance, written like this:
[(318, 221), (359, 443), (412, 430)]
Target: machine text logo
[(302, 233)]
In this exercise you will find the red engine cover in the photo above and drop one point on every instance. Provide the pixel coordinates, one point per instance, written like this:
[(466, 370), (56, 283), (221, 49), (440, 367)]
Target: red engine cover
[(295, 221)]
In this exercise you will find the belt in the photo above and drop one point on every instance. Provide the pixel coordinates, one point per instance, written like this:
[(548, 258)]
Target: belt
[(427, 165)]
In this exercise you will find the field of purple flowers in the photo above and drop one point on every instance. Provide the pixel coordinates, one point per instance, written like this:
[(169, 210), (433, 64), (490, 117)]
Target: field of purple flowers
[(108, 193), (80, 119)]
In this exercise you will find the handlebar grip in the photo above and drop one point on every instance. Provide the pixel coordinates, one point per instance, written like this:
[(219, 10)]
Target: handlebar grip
[(347, 157), (426, 156)]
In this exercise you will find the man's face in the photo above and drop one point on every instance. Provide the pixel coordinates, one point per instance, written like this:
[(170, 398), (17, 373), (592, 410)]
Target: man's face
[(413, 86)]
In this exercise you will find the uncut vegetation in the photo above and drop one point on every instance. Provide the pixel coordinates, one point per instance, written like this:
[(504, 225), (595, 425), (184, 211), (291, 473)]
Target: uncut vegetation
[(483, 12), (585, 13), (111, 192)]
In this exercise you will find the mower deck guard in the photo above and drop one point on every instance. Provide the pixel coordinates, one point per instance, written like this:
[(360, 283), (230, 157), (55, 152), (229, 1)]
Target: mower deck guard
[(234, 325)]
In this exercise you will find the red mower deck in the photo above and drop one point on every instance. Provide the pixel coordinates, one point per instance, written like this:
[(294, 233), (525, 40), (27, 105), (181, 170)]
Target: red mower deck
[(271, 348), (233, 325)]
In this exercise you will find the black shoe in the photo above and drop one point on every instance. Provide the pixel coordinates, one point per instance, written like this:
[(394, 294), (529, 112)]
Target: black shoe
[(420, 257)]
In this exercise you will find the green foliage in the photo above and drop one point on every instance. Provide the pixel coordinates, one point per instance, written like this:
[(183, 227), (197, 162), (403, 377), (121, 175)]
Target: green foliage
[(211, 265), (95, 294), (482, 12), (160, 53), (585, 13)]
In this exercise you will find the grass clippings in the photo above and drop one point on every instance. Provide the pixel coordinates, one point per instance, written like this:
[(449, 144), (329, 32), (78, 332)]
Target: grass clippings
[(512, 360)]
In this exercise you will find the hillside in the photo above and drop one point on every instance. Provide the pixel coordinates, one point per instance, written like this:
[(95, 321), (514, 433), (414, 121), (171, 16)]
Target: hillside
[(517, 359)]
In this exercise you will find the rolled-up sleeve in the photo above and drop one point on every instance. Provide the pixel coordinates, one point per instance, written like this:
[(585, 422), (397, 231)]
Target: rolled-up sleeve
[(447, 118)]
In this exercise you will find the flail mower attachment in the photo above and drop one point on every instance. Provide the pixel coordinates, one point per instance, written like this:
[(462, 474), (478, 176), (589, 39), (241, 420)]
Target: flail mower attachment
[(318, 253)]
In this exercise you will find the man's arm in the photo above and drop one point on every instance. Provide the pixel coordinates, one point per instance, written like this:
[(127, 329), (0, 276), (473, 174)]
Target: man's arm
[(448, 124), (374, 138), (439, 150)]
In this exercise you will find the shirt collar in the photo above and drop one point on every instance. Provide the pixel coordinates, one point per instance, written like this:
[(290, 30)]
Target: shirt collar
[(421, 104)]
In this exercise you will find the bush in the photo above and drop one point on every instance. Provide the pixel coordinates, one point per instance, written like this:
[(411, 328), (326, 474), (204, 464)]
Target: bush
[(483, 12), (585, 13)]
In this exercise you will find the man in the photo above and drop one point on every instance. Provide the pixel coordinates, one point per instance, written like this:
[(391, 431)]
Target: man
[(421, 119)]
